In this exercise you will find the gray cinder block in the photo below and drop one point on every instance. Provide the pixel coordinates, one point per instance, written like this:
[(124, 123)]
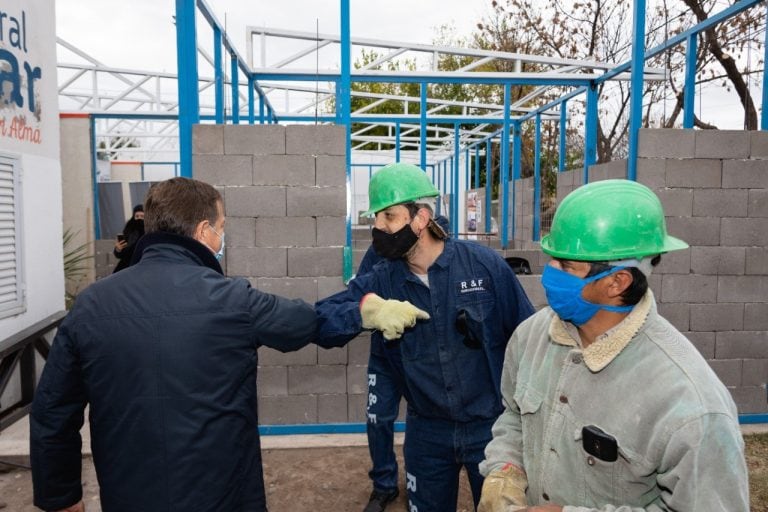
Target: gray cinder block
[(758, 203), (222, 169), (757, 260), (336, 355), (315, 140), (356, 408), (704, 343), (285, 231), (747, 232), (676, 262), (314, 261), (287, 410), (651, 172), (317, 201), (677, 313), (327, 286), (755, 372), (290, 170), (695, 173), (717, 260), (241, 232), (357, 379), (207, 139), (750, 399), (331, 171), (756, 316), (359, 349), (741, 344), (304, 356), (759, 144), (304, 288), (326, 379), (695, 230), (709, 202), (272, 380), (728, 370), (717, 317), (666, 143), (688, 288), (332, 408), (257, 262), (745, 174), (254, 139), (255, 201), (742, 289), (677, 202), (722, 144), (331, 231)]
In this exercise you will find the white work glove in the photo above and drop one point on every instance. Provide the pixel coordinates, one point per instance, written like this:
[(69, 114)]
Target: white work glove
[(391, 317), (504, 490)]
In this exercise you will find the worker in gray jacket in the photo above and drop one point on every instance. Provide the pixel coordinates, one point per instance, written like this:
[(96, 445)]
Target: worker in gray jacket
[(608, 407)]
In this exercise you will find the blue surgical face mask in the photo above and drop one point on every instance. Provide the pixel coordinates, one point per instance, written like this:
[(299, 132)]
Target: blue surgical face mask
[(220, 254), (563, 292)]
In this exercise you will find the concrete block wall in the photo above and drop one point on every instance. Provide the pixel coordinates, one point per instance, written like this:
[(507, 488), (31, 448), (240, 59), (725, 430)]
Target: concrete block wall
[(285, 194), (714, 189)]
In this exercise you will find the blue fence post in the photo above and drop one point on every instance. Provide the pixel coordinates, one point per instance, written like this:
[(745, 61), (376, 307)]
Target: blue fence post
[(251, 86), (345, 84), (537, 180), (563, 126), (235, 89), (397, 143), (218, 75), (517, 156), (504, 170), (189, 101), (423, 126), (477, 166), (488, 186), (261, 110), (455, 181), (636, 87), (689, 87), (590, 131), (764, 116)]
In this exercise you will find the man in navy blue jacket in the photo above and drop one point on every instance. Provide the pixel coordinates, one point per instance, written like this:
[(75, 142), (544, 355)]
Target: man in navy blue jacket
[(447, 308), (165, 354)]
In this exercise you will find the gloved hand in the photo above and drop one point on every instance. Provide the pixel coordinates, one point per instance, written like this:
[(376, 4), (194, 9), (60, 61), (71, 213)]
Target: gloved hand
[(391, 317), (504, 490)]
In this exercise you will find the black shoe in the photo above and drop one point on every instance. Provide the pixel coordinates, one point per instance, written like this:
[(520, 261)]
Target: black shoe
[(379, 500)]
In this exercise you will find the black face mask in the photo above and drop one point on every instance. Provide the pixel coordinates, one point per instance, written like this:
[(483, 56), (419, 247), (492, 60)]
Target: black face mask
[(394, 245)]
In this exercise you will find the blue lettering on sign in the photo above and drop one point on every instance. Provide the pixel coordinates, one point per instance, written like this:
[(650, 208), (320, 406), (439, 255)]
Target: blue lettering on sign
[(10, 73)]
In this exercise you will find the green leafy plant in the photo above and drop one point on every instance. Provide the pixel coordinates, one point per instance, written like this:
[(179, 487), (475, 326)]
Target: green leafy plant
[(75, 263)]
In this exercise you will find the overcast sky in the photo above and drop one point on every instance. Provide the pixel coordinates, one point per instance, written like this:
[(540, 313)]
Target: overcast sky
[(140, 33)]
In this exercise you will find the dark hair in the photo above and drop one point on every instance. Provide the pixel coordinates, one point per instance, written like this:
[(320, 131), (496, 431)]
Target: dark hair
[(178, 205), (634, 291), (138, 208)]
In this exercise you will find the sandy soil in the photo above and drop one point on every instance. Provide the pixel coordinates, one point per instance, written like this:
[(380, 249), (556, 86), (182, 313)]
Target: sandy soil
[(297, 480)]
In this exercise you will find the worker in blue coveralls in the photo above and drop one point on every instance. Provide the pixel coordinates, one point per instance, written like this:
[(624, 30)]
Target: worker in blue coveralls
[(447, 307), (385, 390)]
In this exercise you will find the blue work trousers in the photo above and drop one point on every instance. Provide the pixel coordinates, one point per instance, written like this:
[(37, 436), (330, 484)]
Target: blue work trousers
[(384, 394), (435, 452)]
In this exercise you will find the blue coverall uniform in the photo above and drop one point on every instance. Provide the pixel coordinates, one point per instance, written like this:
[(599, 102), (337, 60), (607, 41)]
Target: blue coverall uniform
[(451, 377)]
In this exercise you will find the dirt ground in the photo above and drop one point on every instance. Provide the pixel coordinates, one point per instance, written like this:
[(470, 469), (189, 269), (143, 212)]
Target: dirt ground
[(332, 479), (296, 480)]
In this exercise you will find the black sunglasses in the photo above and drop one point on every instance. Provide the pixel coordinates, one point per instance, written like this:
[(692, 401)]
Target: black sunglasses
[(462, 326)]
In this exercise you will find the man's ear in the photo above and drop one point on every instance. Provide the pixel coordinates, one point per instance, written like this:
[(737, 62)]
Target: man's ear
[(423, 215), (620, 281), (200, 229)]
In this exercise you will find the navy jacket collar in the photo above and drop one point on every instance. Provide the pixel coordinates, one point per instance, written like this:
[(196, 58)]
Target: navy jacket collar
[(201, 252)]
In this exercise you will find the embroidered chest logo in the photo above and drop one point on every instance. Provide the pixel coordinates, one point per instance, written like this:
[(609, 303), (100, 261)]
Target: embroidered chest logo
[(472, 285)]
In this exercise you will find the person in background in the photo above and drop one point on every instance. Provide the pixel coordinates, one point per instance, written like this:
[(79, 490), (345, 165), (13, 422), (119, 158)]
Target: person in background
[(127, 240), (446, 308), (386, 387), (168, 369), (608, 407)]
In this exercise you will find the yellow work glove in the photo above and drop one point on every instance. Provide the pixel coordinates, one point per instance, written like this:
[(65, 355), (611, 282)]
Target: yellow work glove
[(504, 490), (391, 317)]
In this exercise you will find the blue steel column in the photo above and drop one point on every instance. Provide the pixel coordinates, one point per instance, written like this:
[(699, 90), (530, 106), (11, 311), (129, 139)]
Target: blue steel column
[(235, 89), (189, 102), (636, 88), (94, 174), (397, 144), (455, 182), (218, 75), (590, 131), (477, 166), (488, 186), (261, 110), (436, 181), (504, 170), (689, 87), (563, 126), (423, 126), (517, 146), (764, 116), (537, 180), (251, 85), (345, 97)]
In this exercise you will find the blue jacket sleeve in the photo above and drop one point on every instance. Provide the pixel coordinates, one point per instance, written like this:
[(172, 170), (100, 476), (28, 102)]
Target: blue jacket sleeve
[(283, 324), (54, 426), (338, 316)]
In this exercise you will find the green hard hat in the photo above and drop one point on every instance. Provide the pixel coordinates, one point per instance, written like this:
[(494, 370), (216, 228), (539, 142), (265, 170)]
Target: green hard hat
[(607, 221), (398, 183)]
